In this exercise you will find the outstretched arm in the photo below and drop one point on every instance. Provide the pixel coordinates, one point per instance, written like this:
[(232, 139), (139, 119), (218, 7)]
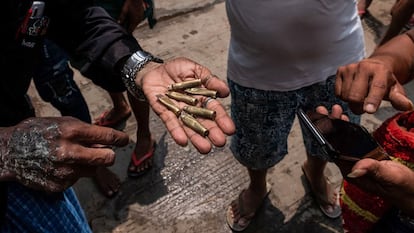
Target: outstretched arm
[(366, 83)]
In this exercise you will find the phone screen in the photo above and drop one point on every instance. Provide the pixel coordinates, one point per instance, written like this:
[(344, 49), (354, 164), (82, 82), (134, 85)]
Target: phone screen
[(338, 137)]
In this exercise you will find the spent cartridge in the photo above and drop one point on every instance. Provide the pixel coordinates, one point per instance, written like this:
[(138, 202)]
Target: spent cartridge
[(185, 85), (169, 104), (192, 123), (201, 91), (200, 112), (182, 97)]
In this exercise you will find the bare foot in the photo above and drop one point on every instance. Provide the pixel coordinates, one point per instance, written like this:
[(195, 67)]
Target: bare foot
[(107, 181), (244, 208), (113, 117), (142, 148)]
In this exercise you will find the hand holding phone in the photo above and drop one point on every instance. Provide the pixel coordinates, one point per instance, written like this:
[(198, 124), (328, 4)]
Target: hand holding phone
[(341, 141)]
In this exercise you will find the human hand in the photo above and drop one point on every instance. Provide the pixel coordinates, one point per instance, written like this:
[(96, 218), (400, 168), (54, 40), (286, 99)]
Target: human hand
[(365, 84), (51, 154), (156, 78), (131, 15), (388, 179), (337, 112)]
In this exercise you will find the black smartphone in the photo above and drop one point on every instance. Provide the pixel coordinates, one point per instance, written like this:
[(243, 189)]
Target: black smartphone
[(339, 139)]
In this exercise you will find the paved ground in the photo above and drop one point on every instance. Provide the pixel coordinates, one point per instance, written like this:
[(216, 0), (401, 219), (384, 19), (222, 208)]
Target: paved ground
[(189, 192)]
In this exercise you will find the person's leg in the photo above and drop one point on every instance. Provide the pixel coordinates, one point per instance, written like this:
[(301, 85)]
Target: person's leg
[(327, 196), (314, 167), (119, 113), (54, 82), (250, 198), (259, 143), (144, 142)]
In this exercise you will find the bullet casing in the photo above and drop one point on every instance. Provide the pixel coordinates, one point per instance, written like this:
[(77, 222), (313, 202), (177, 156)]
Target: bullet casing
[(192, 123), (200, 112), (182, 97), (169, 104), (185, 85), (201, 91)]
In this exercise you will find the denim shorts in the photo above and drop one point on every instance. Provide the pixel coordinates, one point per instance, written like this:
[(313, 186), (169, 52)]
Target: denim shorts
[(264, 119)]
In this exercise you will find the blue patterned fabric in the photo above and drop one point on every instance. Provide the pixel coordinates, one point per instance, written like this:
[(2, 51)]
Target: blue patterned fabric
[(35, 212), (264, 119)]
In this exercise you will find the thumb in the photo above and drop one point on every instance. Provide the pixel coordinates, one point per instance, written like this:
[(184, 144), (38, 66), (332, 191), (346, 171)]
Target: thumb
[(399, 99), (363, 167)]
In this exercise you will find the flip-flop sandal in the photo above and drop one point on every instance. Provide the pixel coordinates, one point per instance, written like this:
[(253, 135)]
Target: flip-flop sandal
[(236, 227), (322, 203), (102, 121), (136, 162)]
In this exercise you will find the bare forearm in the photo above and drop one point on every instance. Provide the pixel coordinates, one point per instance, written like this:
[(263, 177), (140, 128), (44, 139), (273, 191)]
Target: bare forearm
[(399, 54), (401, 14)]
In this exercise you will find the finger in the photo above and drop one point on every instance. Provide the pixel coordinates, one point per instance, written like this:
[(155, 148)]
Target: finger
[(377, 91), (212, 82), (347, 78), (367, 164), (173, 126), (339, 81), (74, 153), (336, 111), (322, 110), (357, 86), (199, 142), (399, 100), (94, 134), (222, 119)]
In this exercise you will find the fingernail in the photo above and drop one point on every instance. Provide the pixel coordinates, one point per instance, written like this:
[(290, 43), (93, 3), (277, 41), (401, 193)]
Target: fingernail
[(411, 105), (370, 108), (356, 173)]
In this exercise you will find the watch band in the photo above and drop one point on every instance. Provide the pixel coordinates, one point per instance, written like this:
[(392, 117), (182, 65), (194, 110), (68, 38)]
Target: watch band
[(132, 66)]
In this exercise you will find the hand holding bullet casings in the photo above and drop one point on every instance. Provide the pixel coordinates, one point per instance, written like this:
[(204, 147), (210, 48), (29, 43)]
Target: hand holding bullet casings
[(192, 87)]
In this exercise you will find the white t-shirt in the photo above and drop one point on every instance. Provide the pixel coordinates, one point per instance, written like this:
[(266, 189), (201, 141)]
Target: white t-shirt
[(284, 45)]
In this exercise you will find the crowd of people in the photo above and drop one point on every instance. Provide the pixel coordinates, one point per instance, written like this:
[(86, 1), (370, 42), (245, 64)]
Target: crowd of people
[(271, 74)]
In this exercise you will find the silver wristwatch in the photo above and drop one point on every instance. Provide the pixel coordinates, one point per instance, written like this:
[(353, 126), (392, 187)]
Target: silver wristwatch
[(133, 64)]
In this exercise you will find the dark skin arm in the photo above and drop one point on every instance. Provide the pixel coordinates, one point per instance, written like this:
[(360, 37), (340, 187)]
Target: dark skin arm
[(380, 77), (131, 15), (401, 13)]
